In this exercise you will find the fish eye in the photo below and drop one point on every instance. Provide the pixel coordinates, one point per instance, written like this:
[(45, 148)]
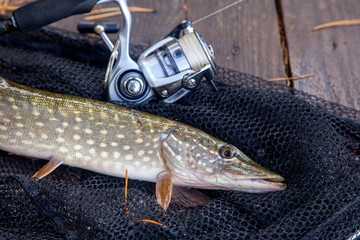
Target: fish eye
[(227, 151)]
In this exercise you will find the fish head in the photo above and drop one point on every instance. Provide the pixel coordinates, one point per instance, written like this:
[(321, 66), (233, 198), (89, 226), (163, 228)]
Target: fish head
[(197, 159)]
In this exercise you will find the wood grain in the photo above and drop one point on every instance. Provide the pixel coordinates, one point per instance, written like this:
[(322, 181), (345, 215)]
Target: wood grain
[(147, 28), (244, 37), (332, 54), (151, 28)]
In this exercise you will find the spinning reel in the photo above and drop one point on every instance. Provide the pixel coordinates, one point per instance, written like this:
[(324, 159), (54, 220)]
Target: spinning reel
[(166, 71)]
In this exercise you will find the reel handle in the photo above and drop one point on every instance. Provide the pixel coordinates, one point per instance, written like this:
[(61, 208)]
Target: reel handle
[(89, 27), (37, 14)]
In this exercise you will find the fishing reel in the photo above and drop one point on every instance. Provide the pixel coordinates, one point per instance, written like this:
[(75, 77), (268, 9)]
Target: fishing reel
[(166, 71)]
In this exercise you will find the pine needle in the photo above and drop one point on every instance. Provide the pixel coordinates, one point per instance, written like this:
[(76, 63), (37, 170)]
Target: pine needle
[(126, 186), (21, 2), (102, 13), (337, 23), (110, 12), (7, 8), (150, 221), (102, 10), (291, 78), (4, 4), (8, 5), (127, 209), (116, 9)]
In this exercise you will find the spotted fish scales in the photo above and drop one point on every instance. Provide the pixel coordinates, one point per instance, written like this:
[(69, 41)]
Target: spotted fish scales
[(111, 139), (86, 134)]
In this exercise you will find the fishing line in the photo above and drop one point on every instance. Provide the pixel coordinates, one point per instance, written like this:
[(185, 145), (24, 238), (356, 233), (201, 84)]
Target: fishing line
[(193, 51), (216, 12)]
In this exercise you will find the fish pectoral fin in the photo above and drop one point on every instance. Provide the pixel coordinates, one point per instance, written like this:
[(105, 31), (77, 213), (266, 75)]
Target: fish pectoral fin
[(47, 169), (164, 188), (189, 197)]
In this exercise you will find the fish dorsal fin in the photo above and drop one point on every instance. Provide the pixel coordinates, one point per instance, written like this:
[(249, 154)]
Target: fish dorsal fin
[(47, 169), (164, 189), (189, 197)]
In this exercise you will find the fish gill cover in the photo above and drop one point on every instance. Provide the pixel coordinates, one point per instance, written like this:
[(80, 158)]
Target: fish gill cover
[(313, 144)]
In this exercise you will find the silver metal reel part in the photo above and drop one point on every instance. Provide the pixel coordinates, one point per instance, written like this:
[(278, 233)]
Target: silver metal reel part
[(166, 71)]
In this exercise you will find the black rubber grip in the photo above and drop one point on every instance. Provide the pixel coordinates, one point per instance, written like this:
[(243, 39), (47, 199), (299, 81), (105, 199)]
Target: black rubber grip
[(88, 27), (111, 27), (44, 12)]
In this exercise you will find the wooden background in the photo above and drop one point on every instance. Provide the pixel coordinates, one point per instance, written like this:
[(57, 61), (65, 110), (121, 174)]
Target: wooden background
[(249, 38)]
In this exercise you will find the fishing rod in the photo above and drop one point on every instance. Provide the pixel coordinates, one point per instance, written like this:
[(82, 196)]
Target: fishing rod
[(166, 71)]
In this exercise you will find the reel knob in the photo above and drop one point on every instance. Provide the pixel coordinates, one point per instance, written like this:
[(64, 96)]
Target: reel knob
[(90, 27), (132, 86)]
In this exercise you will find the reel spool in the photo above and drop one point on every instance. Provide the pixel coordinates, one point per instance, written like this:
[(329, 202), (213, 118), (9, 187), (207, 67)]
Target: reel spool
[(175, 66), (196, 51)]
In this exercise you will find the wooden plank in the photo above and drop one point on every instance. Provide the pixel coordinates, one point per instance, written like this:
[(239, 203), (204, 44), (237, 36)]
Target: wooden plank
[(147, 28), (151, 28), (332, 54), (244, 37)]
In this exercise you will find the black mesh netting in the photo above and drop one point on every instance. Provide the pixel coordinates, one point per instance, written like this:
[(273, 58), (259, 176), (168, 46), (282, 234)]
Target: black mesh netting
[(313, 144)]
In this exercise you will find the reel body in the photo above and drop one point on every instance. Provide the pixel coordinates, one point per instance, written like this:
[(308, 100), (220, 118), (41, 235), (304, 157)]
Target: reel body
[(166, 71)]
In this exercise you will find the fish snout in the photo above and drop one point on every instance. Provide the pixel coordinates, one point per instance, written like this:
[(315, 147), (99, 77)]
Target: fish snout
[(248, 176)]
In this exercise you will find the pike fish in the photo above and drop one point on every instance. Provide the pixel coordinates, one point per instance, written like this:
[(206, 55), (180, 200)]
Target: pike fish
[(111, 139)]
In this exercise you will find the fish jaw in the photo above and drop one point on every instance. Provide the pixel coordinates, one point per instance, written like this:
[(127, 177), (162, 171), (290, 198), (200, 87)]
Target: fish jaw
[(262, 186), (196, 159), (256, 183), (247, 176)]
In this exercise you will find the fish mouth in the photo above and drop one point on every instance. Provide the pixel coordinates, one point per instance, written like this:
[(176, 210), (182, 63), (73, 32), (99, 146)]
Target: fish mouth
[(269, 184), (255, 178), (277, 179), (254, 183)]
